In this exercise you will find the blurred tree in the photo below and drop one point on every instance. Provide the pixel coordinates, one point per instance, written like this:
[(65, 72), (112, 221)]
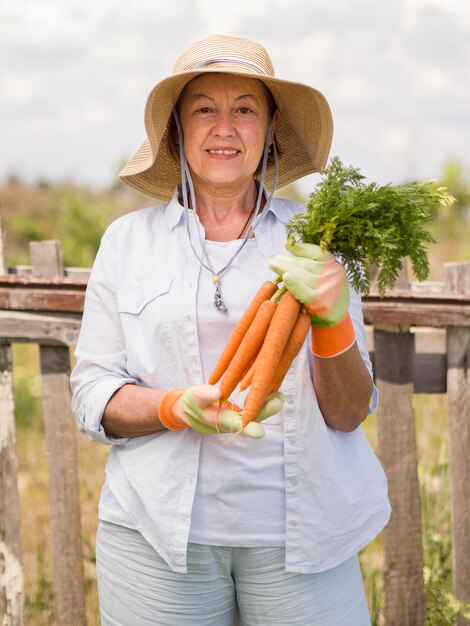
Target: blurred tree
[(452, 220), (456, 179), (83, 223), (451, 226), (75, 216)]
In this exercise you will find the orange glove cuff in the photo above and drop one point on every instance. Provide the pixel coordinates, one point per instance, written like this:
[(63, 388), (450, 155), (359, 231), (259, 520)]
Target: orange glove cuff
[(333, 340), (165, 410)]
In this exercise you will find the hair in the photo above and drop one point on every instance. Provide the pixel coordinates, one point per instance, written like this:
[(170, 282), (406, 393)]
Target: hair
[(172, 131)]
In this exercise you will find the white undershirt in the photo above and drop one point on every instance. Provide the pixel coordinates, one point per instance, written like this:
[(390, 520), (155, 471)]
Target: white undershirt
[(239, 499)]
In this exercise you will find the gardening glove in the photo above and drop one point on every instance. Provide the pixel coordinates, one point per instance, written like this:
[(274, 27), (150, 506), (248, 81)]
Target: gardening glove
[(319, 282), (199, 407)]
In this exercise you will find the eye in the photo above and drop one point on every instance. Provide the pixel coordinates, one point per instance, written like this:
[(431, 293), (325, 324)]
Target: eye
[(244, 110), (203, 110)]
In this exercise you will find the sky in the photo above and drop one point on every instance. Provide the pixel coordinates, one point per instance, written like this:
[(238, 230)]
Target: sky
[(74, 77)]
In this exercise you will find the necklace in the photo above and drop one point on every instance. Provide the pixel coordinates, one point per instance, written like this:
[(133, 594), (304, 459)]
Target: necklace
[(217, 276)]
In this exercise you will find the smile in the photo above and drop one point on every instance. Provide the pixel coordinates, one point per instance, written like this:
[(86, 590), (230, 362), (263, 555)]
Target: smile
[(223, 151)]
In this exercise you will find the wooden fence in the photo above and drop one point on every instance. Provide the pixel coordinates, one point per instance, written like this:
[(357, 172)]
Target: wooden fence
[(42, 303)]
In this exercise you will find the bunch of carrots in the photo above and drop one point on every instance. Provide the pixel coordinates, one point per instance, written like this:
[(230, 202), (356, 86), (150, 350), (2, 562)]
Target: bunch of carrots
[(365, 224), (261, 348)]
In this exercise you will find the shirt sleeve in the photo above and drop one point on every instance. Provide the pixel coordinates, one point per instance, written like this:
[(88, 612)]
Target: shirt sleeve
[(100, 368), (355, 311)]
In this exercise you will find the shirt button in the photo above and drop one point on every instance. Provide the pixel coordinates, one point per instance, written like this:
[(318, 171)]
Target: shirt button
[(292, 523), (290, 400), (293, 482), (291, 440)]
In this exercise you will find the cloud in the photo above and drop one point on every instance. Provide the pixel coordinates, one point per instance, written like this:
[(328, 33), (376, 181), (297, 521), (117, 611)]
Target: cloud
[(77, 75)]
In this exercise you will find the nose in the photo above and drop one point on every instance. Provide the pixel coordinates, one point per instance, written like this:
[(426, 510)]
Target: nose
[(223, 126)]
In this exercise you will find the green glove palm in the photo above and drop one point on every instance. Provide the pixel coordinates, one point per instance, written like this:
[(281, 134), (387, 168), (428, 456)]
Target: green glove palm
[(201, 411)]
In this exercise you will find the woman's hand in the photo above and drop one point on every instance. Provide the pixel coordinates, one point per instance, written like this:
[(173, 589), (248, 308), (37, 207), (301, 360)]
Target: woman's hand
[(199, 407), (317, 280), (343, 385)]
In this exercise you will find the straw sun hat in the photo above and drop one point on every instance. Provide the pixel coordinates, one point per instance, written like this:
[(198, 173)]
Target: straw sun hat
[(303, 134)]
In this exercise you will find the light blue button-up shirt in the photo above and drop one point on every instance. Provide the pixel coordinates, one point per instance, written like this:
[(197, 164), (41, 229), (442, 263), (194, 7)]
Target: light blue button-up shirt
[(140, 326)]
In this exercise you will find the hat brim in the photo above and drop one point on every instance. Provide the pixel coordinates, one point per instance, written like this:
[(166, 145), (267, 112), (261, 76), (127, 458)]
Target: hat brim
[(303, 135)]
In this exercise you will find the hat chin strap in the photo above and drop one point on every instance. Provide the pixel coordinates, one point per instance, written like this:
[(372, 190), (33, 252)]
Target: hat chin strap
[(187, 181)]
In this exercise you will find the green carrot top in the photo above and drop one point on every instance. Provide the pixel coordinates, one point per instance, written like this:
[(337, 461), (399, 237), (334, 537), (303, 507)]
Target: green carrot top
[(368, 224)]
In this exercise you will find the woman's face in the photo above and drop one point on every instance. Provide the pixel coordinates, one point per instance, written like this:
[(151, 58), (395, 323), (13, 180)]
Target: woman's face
[(224, 120)]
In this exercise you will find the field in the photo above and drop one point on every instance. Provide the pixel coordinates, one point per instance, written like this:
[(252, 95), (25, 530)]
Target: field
[(82, 218)]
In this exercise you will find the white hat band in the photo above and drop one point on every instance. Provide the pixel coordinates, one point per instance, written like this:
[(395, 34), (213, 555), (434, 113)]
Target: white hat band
[(253, 66)]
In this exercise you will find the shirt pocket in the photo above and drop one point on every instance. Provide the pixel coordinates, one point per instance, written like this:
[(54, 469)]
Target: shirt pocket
[(146, 311), (134, 298)]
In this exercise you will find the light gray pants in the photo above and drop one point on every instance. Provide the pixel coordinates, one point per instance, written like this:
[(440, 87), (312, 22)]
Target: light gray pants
[(136, 587)]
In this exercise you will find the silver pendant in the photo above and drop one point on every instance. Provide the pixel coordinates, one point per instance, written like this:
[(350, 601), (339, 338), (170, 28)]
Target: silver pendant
[(218, 302)]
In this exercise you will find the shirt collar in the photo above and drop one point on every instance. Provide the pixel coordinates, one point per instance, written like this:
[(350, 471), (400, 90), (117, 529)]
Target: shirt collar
[(279, 209), (174, 211)]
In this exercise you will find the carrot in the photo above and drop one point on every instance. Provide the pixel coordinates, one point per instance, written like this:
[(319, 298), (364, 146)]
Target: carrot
[(248, 348), (248, 376), (265, 292), (276, 339), (295, 342)]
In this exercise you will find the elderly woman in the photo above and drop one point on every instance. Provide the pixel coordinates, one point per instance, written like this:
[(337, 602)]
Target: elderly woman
[(193, 526)]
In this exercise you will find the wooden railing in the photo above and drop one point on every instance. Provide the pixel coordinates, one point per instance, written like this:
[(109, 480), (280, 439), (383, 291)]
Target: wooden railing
[(419, 340)]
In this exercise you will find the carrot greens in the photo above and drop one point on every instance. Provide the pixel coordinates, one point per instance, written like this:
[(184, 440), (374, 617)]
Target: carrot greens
[(368, 224)]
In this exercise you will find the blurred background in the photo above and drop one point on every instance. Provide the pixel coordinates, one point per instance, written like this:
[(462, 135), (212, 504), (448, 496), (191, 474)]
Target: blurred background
[(74, 78)]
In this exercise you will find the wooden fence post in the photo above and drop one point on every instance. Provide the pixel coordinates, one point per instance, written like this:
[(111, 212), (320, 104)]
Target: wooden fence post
[(60, 432), (11, 572), (457, 279), (405, 603)]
